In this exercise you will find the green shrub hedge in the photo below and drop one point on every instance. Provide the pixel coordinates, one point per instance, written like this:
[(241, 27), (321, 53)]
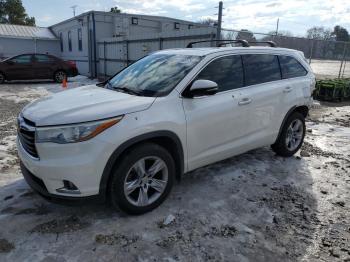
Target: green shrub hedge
[(332, 89)]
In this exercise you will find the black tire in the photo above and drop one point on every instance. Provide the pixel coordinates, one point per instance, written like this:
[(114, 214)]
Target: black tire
[(117, 196), (2, 78), (280, 147), (59, 76)]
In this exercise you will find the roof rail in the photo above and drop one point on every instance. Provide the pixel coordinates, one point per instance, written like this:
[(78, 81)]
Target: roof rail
[(243, 42), (270, 43)]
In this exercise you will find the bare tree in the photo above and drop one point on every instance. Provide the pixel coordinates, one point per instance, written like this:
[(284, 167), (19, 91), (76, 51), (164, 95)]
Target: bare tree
[(245, 34), (208, 21), (319, 33)]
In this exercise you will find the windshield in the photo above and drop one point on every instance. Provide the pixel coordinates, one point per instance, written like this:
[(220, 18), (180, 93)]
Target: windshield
[(153, 75)]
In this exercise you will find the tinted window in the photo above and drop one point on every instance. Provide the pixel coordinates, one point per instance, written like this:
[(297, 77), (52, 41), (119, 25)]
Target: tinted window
[(80, 40), (22, 59), (227, 72), (261, 69), (291, 67), (43, 58), (69, 40)]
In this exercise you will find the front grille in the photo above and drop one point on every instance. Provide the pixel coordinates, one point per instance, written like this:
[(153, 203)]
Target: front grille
[(26, 134)]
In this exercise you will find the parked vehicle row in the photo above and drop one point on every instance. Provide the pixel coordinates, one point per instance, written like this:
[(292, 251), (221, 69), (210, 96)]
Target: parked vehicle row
[(171, 112), (36, 66)]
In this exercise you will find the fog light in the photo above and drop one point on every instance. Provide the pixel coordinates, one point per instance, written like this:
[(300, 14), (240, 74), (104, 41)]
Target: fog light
[(69, 185), (68, 188)]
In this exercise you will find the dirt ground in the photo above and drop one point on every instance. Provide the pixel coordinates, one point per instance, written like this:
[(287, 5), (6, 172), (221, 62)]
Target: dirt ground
[(253, 207)]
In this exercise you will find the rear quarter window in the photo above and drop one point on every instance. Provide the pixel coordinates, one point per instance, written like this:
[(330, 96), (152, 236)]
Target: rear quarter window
[(261, 68), (291, 67)]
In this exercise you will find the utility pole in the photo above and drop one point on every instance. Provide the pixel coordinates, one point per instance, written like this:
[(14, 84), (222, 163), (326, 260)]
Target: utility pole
[(278, 22), (218, 33), (74, 7)]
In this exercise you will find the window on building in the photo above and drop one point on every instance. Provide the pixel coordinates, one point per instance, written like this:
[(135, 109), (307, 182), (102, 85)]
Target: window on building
[(70, 41), (226, 71), (261, 69), (190, 26), (134, 20), (80, 40), (291, 67), (177, 25), (61, 42)]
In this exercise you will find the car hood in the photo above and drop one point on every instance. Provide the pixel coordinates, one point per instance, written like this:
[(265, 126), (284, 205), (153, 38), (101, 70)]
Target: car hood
[(83, 104)]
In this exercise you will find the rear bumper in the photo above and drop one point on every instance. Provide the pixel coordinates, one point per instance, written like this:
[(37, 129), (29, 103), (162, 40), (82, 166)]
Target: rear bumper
[(39, 187), (72, 72)]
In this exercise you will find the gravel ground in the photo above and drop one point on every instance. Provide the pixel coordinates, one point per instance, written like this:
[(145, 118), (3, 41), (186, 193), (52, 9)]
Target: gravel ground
[(253, 207)]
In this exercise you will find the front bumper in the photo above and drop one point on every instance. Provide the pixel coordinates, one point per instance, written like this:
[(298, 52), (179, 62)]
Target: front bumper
[(81, 164), (39, 187)]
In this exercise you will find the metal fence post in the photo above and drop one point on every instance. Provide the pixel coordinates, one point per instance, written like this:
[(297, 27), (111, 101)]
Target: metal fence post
[(311, 50), (342, 61), (104, 60), (160, 43), (127, 52)]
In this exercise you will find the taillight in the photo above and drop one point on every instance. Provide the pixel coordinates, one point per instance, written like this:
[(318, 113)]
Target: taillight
[(72, 63)]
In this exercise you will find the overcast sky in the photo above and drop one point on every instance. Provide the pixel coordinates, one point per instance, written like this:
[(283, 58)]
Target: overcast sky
[(295, 16)]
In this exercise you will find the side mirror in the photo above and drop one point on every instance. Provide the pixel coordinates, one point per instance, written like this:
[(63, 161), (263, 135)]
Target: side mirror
[(10, 62), (203, 88)]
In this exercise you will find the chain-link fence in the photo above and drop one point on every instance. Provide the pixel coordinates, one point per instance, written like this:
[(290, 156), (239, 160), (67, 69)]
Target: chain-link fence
[(328, 59)]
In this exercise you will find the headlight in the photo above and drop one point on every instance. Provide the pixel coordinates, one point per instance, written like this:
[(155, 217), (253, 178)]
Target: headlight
[(73, 133)]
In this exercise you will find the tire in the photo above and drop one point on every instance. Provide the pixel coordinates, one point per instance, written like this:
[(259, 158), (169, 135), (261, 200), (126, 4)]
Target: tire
[(2, 78), (142, 196), (291, 137), (59, 76)]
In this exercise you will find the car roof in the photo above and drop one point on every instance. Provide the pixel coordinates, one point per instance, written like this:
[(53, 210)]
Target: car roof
[(204, 51)]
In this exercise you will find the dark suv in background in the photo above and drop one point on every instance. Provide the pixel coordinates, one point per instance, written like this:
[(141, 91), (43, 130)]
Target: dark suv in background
[(36, 66)]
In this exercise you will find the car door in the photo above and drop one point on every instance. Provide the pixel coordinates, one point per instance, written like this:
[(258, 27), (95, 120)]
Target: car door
[(262, 99), (43, 66), (214, 123), (295, 83), (19, 67)]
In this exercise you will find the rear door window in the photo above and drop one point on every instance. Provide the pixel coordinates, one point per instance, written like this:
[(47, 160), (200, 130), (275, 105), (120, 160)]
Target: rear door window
[(226, 71), (261, 68), (22, 59), (43, 59), (291, 67)]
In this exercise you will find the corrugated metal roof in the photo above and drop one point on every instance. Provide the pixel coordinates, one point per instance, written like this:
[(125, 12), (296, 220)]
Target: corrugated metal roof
[(21, 31)]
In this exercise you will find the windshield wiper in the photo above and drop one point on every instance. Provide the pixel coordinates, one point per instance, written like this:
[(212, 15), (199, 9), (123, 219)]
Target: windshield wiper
[(127, 90)]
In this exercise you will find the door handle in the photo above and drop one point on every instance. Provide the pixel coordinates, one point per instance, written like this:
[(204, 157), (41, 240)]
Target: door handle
[(287, 89), (244, 101)]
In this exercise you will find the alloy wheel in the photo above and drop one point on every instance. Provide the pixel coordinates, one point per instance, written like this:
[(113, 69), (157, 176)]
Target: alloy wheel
[(60, 76), (295, 134), (146, 181)]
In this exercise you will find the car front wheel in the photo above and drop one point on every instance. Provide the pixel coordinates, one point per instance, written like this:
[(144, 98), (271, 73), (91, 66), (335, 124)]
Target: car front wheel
[(291, 137), (142, 179)]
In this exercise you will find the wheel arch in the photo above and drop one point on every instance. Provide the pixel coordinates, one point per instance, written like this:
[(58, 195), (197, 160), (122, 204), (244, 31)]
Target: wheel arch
[(166, 139), (304, 110)]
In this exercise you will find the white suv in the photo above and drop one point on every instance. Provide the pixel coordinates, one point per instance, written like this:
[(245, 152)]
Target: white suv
[(171, 112)]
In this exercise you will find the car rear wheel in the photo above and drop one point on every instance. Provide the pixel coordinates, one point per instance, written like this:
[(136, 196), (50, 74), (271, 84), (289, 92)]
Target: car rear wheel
[(291, 137), (2, 78), (142, 179), (59, 76)]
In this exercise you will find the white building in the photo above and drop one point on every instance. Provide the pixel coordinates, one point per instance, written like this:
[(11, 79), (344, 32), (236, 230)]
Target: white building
[(77, 38)]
